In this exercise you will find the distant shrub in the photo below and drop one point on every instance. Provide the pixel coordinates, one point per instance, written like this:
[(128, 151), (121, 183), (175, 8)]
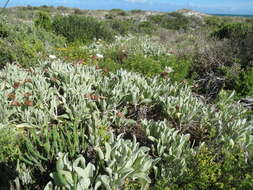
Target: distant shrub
[(146, 27), (213, 21), (119, 12), (81, 28), (79, 11), (122, 27), (174, 21), (232, 30), (136, 11), (43, 21)]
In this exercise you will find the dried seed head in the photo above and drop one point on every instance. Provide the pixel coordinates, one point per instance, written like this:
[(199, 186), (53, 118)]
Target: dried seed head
[(120, 114), (28, 94), (28, 103), (16, 85), (11, 96), (28, 81), (177, 108), (15, 103)]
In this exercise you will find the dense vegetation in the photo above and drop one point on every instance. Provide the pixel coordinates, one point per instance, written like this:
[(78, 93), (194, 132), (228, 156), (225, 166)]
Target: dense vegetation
[(124, 100)]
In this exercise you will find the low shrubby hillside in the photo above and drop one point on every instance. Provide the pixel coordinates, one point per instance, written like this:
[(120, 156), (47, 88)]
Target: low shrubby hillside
[(124, 100), (77, 126)]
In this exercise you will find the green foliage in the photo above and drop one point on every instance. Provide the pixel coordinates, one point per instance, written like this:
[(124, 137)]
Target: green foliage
[(76, 175), (136, 11), (213, 21), (122, 27), (174, 21), (118, 12), (244, 85), (73, 126), (8, 143), (146, 27), (81, 28), (81, 110), (3, 30), (43, 21), (232, 31), (75, 53), (39, 149), (142, 64), (27, 45)]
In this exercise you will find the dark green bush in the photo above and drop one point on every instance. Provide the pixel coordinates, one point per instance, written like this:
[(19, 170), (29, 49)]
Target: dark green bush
[(121, 27), (119, 12), (146, 27), (136, 11), (81, 28), (232, 31), (43, 21), (3, 31), (174, 21), (244, 85)]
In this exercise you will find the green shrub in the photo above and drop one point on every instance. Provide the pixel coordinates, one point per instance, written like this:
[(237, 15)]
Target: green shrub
[(213, 21), (181, 67), (119, 12), (142, 64), (8, 142), (146, 27), (81, 28), (75, 53), (136, 11), (27, 45), (174, 21), (232, 31), (39, 151), (244, 85), (122, 27), (149, 65), (3, 31), (43, 21)]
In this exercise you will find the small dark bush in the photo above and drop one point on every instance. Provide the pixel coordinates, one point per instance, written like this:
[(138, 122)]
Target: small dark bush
[(79, 12), (119, 12), (81, 28), (136, 11), (174, 21), (3, 31), (122, 27), (244, 85), (146, 27), (232, 31), (43, 21)]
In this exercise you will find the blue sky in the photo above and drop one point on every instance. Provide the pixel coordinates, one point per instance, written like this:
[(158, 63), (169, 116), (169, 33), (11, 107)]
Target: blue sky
[(207, 6)]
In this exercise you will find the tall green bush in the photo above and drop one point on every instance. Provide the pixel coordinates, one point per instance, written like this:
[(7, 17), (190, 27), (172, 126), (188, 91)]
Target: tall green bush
[(81, 28), (232, 31), (43, 21)]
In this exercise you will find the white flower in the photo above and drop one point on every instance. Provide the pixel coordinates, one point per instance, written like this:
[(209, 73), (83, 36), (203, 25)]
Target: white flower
[(100, 56), (168, 70), (52, 57)]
